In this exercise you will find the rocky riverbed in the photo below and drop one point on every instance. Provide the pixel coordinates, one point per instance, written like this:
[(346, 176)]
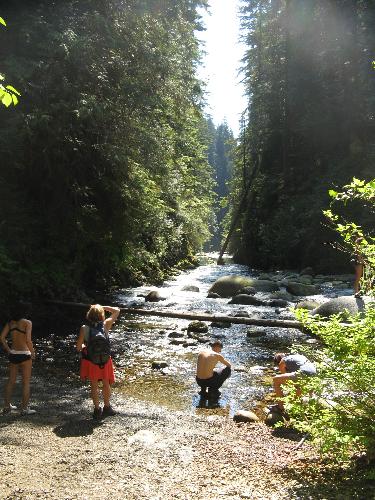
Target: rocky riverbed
[(163, 444)]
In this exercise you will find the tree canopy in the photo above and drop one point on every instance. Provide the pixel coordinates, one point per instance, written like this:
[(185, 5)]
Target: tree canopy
[(104, 176)]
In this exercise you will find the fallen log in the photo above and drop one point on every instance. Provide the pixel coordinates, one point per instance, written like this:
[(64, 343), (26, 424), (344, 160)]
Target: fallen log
[(275, 323)]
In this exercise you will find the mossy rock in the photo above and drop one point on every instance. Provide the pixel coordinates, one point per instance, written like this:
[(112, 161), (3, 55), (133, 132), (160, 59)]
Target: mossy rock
[(228, 286)]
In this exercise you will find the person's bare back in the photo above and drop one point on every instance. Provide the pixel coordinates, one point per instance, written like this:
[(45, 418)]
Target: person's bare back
[(207, 360)]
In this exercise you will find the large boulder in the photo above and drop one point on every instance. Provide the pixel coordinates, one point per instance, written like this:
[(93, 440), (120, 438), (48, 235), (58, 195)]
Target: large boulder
[(246, 299), (227, 286), (154, 296), (245, 416), (301, 289), (351, 305)]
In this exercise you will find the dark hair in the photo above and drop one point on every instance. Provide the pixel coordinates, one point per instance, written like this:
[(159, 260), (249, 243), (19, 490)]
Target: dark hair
[(19, 310), (278, 357), (217, 343)]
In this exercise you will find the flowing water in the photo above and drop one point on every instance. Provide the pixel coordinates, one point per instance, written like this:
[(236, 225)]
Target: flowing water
[(139, 341)]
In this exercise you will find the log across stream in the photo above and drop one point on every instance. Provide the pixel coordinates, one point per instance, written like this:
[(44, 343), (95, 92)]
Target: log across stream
[(277, 323)]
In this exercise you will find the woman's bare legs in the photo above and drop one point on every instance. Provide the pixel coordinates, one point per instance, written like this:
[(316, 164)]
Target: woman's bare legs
[(95, 393), (106, 392), (13, 372), (26, 376), (358, 270)]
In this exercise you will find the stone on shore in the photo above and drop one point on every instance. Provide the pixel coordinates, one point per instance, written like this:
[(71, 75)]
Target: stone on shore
[(351, 305), (159, 365), (220, 324), (245, 416)]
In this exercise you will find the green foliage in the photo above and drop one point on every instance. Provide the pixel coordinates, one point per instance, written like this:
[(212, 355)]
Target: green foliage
[(339, 414), (356, 239), (105, 178)]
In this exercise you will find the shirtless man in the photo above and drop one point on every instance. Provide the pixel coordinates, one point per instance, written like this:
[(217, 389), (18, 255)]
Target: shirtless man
[(209, 377)]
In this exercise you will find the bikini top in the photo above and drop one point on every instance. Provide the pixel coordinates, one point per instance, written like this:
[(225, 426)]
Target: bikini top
[(15, 328)]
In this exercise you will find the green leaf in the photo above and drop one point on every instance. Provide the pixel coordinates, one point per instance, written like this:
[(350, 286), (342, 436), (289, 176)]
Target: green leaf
[(14, 99), (6, 99), (2, 21), (9, 87), (332, 193)]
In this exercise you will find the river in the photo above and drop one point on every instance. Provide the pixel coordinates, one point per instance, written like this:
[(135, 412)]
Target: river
[(138, 341)]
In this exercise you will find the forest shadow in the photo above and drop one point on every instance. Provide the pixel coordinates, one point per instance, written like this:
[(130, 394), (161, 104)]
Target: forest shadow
[(328, 482)]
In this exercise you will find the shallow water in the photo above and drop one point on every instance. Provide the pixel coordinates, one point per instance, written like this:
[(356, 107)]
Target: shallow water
[(138, 341)]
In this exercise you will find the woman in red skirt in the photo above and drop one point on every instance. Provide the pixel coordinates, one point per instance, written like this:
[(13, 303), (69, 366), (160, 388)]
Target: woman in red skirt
[(97, 324)]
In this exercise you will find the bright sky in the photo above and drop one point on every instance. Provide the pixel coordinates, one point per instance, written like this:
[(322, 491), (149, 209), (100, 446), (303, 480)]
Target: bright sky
[(222, 62)]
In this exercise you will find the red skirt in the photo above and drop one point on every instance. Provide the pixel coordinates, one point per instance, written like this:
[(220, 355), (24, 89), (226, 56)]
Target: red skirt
[(93, 372)]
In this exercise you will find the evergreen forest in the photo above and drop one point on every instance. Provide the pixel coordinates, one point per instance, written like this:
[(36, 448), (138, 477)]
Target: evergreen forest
[(310, 127), (111, 172), (105, 177)]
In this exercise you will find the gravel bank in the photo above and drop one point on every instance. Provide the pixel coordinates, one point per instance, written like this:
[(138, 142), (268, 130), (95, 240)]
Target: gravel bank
[(143, 452)]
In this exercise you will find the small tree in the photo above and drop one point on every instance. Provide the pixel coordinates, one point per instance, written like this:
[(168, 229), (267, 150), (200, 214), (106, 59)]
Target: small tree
[(339, 415)]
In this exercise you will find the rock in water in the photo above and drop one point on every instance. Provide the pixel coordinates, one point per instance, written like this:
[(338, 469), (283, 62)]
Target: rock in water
[(198, 327), (190, 288), (246, 299), (154, 296), (301, 289), (227, 286), (245, 416), (335, 306)]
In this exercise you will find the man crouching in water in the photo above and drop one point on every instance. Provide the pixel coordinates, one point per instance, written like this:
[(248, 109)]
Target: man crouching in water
[(208, 377)]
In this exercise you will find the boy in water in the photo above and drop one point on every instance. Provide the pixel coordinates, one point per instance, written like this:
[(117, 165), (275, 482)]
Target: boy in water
[(208, 377)]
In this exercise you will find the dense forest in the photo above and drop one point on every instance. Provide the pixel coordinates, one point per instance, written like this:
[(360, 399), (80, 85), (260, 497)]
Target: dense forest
[(105, 176), (310, 126)]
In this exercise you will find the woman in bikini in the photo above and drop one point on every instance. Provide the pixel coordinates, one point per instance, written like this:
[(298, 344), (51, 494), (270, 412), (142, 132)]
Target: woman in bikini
[(96, 320), (20, 357)]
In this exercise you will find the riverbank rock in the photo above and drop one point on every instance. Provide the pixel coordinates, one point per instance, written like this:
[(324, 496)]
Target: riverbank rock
[(352, 305), (227, 286), (245, 416), (212, 295), (307, 304), (246, 300), (159, 365), (190, 288), (197, 327), (301, 288), (273, 416), (154, 296)]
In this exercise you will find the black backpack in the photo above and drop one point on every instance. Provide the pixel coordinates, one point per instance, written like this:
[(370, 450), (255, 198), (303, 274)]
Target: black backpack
[(98, 347)]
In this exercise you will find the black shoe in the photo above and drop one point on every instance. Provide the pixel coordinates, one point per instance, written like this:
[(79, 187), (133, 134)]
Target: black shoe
[(214, 393), (108, 411), (203, 392), (97, 415)]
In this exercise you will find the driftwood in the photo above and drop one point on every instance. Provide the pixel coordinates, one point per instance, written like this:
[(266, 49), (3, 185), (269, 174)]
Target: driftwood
[(277, 323)]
